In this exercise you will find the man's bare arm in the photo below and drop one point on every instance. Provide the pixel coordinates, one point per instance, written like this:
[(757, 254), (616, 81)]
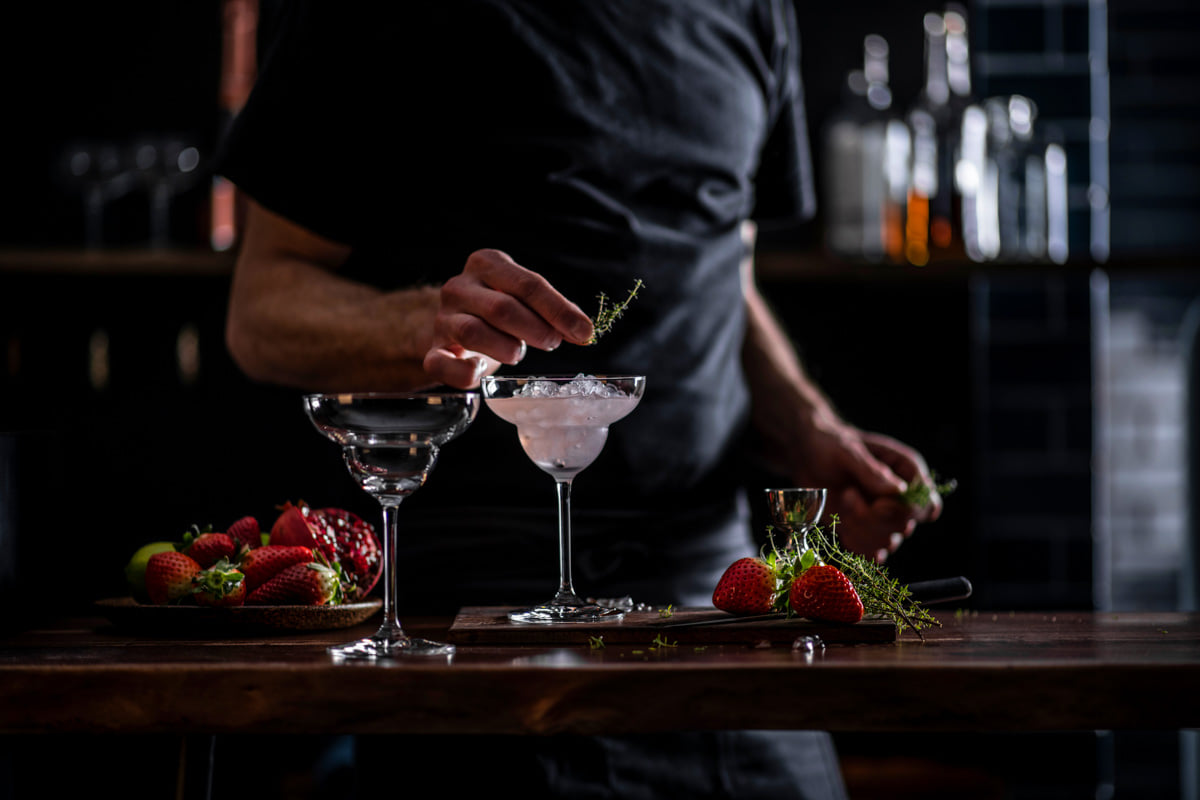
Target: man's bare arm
[(294, 321), (807, 441)]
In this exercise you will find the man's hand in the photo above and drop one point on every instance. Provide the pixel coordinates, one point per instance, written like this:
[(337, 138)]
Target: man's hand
[(490, 312), (866, 474)]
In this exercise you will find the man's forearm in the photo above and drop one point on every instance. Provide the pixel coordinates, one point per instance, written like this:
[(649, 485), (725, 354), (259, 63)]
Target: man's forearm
[(786, 403), (294, 321)]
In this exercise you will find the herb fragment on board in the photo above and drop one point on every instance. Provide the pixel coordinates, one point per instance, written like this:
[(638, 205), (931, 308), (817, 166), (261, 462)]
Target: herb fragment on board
[(666, 613), (660, 642), (606, 315), (596, 642)]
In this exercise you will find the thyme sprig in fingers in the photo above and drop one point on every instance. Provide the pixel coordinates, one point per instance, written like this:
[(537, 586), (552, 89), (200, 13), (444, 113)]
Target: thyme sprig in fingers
[(606, 315)]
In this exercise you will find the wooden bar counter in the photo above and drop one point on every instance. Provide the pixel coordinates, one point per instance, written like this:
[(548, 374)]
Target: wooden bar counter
[(977, 672)]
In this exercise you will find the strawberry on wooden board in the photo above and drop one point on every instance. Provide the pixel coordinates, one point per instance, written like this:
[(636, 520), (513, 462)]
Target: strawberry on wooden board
[(311, 584), (341, 536), (262, 564), (169, 576), (246, 533), (220, 585), (746, 587), (824, 593), (208, 548)]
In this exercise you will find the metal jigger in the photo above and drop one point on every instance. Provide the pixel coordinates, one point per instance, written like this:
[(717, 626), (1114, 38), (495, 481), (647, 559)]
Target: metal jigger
[(796, 511)]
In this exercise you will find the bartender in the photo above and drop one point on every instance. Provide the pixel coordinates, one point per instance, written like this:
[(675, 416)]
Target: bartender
[(437, 194)]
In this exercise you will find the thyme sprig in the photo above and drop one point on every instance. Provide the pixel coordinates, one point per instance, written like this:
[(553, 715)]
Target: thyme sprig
[(606, 315), (920, 493)]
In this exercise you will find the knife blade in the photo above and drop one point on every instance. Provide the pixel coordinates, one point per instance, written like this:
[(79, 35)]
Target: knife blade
[(940, 590)]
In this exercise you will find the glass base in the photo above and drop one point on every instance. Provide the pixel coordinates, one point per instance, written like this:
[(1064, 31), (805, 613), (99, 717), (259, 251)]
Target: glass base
[(386, 647), (554, 612)]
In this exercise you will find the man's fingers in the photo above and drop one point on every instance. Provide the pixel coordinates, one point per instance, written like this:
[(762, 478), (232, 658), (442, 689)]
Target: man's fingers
[(499, 272), (460, 370), (469, 332), (876, 477)]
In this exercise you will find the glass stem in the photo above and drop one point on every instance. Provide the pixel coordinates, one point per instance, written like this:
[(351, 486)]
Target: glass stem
[(391, 622), (566, 585)]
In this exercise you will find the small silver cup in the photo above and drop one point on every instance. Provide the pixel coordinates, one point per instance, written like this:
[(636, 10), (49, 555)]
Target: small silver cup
[(796, 511)]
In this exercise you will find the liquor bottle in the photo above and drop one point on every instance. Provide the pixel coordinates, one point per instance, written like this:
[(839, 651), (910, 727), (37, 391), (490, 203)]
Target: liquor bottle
[(931, 119), (934, 226), (866, 152), (948, 221), (843, 161)]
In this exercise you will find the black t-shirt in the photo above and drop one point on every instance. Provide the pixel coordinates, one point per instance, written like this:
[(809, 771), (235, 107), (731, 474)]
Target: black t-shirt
[(595, 142)]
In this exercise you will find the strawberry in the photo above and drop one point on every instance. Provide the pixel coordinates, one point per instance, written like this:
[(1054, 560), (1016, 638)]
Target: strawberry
[(747, 587), (219, 585), (823, 592), (208, 548), (341, 536), (246, 533), (264, 563), (169, 576), (311, 584)]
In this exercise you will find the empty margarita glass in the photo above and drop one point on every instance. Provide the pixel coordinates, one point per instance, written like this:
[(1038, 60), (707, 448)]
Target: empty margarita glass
[(390, 442)]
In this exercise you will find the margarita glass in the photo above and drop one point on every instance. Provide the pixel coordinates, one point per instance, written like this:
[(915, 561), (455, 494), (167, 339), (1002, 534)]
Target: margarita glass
[(390, 442), (562, 423)]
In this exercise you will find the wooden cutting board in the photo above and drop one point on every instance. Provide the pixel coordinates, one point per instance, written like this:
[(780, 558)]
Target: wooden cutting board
[(490, 625)]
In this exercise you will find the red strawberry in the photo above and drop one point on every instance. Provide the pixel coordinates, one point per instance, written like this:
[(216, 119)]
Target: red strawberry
[(264, 563), (310, 584), (208, 548), (747, 587), (169, 576), (341, 536), (823, 592), (219, 585), (246, 533)]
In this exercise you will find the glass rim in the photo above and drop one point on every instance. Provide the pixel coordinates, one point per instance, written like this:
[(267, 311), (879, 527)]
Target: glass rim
[(567, 378)]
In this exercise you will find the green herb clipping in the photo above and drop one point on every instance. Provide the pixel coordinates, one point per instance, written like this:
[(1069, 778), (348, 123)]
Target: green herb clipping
[(919, 493), (606, 315)]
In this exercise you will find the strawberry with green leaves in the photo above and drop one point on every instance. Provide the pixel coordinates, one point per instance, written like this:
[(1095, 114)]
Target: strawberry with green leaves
[(169, 576), (311, 584), (220, 585)]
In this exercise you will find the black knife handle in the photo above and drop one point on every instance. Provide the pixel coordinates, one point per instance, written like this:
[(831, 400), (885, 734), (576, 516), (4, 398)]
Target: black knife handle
[(941, 590)]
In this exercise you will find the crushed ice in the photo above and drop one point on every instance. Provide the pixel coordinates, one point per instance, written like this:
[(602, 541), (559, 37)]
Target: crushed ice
[(580, 386)]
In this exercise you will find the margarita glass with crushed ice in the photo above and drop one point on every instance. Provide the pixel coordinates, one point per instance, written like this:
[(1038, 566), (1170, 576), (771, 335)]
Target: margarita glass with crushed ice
[(562, 423)]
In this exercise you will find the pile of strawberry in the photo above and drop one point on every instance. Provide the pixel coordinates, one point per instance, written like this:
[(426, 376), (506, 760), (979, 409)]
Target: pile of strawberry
[(325, 556), (791, 582)]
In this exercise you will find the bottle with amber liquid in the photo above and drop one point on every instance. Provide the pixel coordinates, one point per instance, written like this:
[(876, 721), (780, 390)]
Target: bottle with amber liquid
[(933, 228)]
